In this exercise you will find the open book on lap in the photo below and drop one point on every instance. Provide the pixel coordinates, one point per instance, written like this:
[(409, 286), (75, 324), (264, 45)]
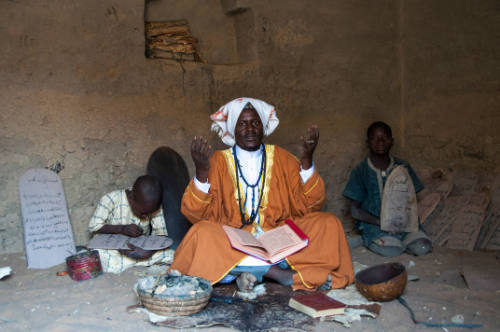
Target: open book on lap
[(271, 246)]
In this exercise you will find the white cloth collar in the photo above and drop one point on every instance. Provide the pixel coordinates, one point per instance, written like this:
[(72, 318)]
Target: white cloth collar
[(248, 155)]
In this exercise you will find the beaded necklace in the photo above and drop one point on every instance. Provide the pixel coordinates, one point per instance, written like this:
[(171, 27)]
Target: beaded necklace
[(262, 174)]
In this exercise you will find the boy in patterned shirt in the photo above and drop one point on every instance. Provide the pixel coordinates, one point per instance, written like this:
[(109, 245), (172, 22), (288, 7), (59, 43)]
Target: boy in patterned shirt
[(132, 213)]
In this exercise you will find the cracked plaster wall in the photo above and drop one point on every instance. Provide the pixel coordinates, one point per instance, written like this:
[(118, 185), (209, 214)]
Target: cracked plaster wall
[(78, 92)]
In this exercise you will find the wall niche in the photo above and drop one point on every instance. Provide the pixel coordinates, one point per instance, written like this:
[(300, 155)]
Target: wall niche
[(171, 40), (218, 32)]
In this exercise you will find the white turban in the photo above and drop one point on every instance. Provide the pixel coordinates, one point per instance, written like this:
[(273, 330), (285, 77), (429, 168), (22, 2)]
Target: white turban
[(224, 120)]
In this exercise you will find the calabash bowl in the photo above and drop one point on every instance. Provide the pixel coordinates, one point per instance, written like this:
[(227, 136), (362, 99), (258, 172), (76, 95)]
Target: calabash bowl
[(383, 282)]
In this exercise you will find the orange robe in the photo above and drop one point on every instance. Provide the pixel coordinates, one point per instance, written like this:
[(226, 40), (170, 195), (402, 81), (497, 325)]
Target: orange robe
[(205, 250)]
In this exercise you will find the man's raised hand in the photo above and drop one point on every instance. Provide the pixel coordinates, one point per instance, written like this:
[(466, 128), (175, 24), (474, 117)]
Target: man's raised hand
[(200, 152), (309, 143)]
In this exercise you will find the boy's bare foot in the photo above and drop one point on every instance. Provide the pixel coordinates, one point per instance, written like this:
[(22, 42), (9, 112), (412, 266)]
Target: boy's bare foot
[(246, 281)]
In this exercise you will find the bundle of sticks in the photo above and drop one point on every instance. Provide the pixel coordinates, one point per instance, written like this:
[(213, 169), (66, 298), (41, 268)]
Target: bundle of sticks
[(171, 40)]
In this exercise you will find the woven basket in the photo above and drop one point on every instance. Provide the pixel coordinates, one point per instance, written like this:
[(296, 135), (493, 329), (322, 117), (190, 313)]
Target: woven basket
[(180, 305)]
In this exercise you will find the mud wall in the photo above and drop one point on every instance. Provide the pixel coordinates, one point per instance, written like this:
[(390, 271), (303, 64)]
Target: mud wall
[(450, 55), (78, 94)]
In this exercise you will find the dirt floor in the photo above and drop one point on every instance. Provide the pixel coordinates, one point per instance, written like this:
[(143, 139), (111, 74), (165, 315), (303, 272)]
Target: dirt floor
[(38, 300)]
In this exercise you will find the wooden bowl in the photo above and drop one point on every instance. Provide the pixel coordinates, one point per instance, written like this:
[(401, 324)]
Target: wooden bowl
[(383, 282)]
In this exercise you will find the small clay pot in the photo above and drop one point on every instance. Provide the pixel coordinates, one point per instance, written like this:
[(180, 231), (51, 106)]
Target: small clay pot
[(383, 282)]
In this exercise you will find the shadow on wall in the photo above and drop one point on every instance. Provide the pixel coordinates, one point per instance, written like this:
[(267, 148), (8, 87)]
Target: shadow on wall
[(217, 32)]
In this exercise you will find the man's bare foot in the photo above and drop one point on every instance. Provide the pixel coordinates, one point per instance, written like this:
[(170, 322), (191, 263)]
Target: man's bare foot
[(246, 281), (283, 276), (327, 285)]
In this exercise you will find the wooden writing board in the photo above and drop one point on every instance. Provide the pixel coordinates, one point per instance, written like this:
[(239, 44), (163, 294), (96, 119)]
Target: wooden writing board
[(399, 212), (442, 185), (427, 205), (467, 221), (48, 237), (489, 229), (458, 224)]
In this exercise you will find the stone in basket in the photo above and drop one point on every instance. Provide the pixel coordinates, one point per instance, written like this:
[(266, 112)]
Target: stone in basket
[(173, 295)]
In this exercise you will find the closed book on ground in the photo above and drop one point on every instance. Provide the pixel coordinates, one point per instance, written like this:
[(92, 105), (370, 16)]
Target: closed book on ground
[(270, 246), (317, 305)]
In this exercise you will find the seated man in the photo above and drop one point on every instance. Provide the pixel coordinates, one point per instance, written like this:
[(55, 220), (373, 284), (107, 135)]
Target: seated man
[(256, 187), (132, 213), (365, 188)]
